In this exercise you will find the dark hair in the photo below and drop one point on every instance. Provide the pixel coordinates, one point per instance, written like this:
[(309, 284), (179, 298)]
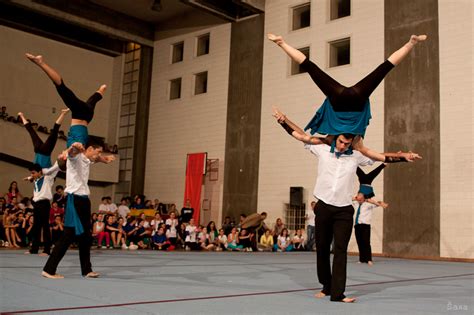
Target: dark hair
[(35, 167), (10, 188), (347, 135), (243, 215), (263, 213), (104, 198), (59, 187)]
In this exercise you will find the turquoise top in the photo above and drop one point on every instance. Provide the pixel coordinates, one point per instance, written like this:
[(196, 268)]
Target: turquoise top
[(77, 133), (327, 121), (42, 160)]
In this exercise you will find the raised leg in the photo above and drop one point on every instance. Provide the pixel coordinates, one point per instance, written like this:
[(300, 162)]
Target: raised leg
[(50, 72)]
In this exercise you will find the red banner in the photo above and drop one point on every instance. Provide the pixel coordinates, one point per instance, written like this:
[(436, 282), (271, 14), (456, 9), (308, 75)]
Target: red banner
[(193, 186)]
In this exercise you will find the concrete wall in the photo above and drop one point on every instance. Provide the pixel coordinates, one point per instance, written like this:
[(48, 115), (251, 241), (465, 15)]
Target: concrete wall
[(412, 104), (456, 128), (283, 161), (194, 123), (26, 88)]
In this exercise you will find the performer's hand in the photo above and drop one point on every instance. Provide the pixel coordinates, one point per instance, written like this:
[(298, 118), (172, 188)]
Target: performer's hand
[(107, 158), (410, 156), (280, 117), (383, 204)]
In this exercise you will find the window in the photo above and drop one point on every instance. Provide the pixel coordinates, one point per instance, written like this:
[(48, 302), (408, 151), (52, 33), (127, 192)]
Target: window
[(295, 67), (340, 52), (301, 16), (177, 54), (200, 83), (340, 8), (203, 45), (175, 89)]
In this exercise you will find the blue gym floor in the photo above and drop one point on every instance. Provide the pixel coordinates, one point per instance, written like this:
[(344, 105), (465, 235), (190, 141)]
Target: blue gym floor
[(150, 282)]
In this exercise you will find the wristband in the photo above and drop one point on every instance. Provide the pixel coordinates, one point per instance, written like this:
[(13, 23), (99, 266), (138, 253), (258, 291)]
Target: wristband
[(287, 128)]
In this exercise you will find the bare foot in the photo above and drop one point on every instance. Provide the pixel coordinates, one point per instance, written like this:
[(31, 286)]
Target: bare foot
[(43, 254), (65, 110), (27, 253), (92, 274), (275, 38), (415, 39), (35, 59), (49, 276), (348, 300), (319, 295), (102, 89), (370, 263), (23, 119)]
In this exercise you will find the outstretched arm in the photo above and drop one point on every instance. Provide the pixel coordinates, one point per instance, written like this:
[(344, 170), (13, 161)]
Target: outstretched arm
[(377, 203), (294, 130), (387, 157), (105, 158)]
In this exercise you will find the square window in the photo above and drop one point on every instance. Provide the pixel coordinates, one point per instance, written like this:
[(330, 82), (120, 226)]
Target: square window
[(177, 52), (203, 42), (200, 83), (340, 8), (340, 52), (301, 16), (295, 67), (175, 89)]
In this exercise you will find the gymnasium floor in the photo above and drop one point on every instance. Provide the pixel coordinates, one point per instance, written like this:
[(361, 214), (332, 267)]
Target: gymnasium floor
[(150, 282)]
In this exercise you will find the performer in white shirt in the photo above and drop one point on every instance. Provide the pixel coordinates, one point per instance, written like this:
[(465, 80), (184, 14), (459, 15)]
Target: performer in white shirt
[(78, 211), (337, 164), (43, 180)]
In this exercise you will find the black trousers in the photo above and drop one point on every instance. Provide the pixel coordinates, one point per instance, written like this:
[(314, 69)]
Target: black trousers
[(333, 222), (347, 99), (83, 208), (79, 109), (41, 210), (47, 146), (362, 234)]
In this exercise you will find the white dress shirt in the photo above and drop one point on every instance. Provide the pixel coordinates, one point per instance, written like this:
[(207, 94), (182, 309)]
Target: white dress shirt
[(77, 175), (44, 185), (364, 214), (335, 181)]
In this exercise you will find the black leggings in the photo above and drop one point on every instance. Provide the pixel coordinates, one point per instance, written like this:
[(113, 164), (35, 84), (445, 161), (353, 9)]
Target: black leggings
[(347, 99), (367, 179), (39, 146), (79, 109)]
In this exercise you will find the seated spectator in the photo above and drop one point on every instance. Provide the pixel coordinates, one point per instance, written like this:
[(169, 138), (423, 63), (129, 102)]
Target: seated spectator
[(298, 240), (29, 220), (221, 241), (266, 242), (155, 223), (98, 231), (138, 204), (212, 231), (103, 208), (245, 240), (227, 226), (277, 228), (181, 235), (3, 205), (111, 206), (283, 242), (148, 204), (21, 229), (187, 212), (123, 210), (57, 229), (60, 196), (141, 234), (233, 240), (171, 228), (115, 231), (55, 211), (160, 241), (146, 223), (172, 209), (93, 219), (3, 113), (203, 239), (13, 194), (10, 224), (191, 239)]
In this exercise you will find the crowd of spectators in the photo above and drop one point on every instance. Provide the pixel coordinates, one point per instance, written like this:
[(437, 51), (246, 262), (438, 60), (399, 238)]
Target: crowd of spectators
[(114, 227)]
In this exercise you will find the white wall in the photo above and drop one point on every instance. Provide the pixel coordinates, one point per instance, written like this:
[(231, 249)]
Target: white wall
[(283, 161), (192, 124), (456, 96)]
